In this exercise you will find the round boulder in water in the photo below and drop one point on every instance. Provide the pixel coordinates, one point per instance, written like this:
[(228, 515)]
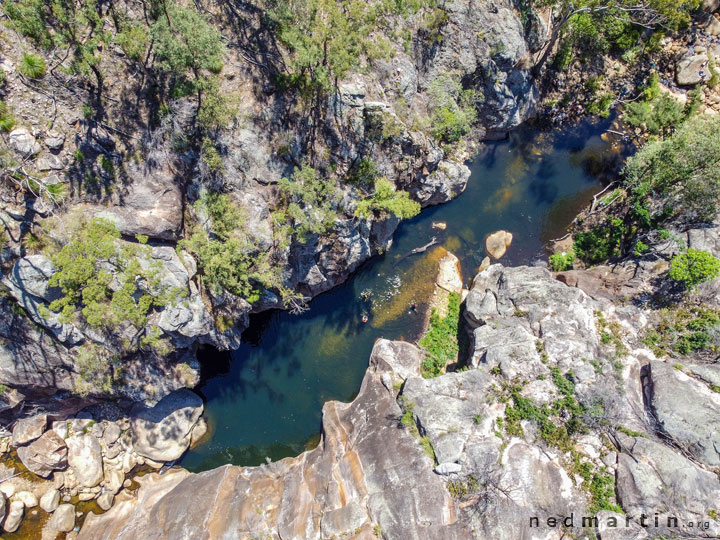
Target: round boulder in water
[(497, 243)]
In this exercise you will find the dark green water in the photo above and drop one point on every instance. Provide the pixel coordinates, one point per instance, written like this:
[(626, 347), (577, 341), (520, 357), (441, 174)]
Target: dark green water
[(266, 400)]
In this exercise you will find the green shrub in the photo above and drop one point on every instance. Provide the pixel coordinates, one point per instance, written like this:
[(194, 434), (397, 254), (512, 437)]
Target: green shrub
[(32, 66), (210, 156), (601, 243), (309, 203), (694, 267), (683, 170), (387, 201), (133, 39), (227, 257), (85, 281), (601, 105), (452, 110), (560, 262), (441, 340), (7, 120), (660, 116)]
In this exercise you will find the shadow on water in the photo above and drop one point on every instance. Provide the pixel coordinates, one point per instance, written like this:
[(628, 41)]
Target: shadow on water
[(266, 401)]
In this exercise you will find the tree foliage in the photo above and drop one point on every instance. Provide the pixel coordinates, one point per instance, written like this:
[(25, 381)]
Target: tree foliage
[(228, 258), (308, 204), (683, 170), (387, 201), (694, 267), (452, 109), (329, 38), (102, 279), (185, 43), (74, 25), (600, 26)]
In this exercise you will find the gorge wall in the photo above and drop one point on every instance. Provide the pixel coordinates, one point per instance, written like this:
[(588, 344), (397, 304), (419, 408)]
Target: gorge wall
[(488, 447)]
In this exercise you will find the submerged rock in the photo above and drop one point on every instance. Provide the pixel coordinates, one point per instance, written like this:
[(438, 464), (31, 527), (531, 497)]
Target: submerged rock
[(497, 243)]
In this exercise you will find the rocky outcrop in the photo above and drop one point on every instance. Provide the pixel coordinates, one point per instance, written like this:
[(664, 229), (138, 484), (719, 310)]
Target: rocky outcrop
[(142, 175), (687, 409), (163, 432), (454, 457)]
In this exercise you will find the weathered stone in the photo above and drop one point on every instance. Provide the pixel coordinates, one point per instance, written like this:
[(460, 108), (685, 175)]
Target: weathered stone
[(448, 468), (28, 499), (3, 507), (50, 500), (45, 455), (28, 429), (85, 459), (691, 70), (112, 433), (14, 516), (50, 163), (497, 243), (651, 477), (8, 489), (54, 140), (63, 519), (163, 432), (105, 501), (688, 411), (23, 142), (449, 276), (114, 479)]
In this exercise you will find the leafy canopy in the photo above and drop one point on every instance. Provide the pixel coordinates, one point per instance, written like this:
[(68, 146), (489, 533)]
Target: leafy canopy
[(228, 258), (694, 267), (684, 169), (387, 201), (310, 204), (99, 278)]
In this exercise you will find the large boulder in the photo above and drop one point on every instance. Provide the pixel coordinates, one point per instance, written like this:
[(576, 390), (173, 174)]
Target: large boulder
[(14, 516), (687, 410), (50, 500), (85, 459), (28, 429), (651, 477), (152, 204), (692, 69), (497, 243), (45, 455), (63, 519), (163, 432)]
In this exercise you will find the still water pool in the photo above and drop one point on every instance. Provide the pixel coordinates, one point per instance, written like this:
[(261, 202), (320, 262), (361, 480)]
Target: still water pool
[(266, 398)]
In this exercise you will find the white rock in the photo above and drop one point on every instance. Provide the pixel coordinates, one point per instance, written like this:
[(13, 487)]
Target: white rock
[(105, 501), (63, 519), (22, 141), (50, 500), (448, 468), (54, 140), (85, 459), (7, 489), (14, 517), (28, 499)]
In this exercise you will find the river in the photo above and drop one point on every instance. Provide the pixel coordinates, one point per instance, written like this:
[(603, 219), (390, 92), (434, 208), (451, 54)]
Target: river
[(265, 399)]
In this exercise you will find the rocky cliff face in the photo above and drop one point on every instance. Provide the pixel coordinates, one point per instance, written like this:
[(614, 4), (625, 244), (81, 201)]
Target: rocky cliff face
[(149, 184), (561, 413)]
